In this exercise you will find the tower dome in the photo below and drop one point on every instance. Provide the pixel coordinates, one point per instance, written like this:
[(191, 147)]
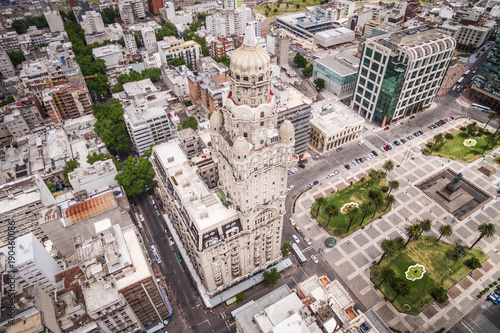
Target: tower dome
[(216, 121), (287, 131), (241, 147), (250, 72)]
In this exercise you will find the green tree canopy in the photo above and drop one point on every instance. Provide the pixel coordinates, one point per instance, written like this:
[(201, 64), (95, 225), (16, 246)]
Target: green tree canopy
[(167, 29), (16, 57), (154, 74), (176, 62), (190, 122), (225, 60), (91, 159), (21, 26), (320, 83), (271, 276), (136, 175), (110, 126), (69, 167), (7, 101), (299, 60), (109, 14), (52, 187), (439, 294), (286, 248), (308, 70)]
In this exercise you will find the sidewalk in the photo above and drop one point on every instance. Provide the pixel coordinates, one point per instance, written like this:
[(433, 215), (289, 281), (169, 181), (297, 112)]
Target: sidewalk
[(353, 255)]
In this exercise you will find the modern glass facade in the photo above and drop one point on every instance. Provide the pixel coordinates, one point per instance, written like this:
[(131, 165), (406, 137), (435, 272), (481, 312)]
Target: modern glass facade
[(486, 88)]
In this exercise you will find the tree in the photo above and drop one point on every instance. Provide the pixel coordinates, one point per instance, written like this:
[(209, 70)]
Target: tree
[(473, 263), (491, 139), (439, 294), (16, 57), (438, 138), (400, 243), (401, 287), (136, 175), (353, 214), (239, 298), (176, 62), (299, 60), (412, 231), (275, 10), (52, 187), (286, 248), (7, 101), (389, 199), (91, 159), (297, 6), (117, 88), (366, 208), (271, 276), (485, 229), (319, 202), (388, 247), (472, 129), (394, 185), (225, 60), (320, 83), (331, 210), (425, 225), (458, 252), (377, 204), (191, 122), (388, 166), (69, 167), (21, 26), (448, 136), (445, 230), (386, 274), (110, 126), (307, 71), (109, 14)]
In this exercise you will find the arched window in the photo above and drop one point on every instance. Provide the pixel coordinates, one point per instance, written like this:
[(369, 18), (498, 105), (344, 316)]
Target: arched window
[(261, 78), (262, 114)]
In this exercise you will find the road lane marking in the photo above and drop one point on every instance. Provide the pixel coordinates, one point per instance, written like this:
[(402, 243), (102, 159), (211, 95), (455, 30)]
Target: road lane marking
[(203, 322)]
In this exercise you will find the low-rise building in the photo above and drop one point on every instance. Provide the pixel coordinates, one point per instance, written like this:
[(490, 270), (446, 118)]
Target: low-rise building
[(466, 35), (333, 37), (333, 124), (176, 79), (205, 8), (169, 14), (98, 175), (221, 47), (112, 54), (171, 47), (339, 72)]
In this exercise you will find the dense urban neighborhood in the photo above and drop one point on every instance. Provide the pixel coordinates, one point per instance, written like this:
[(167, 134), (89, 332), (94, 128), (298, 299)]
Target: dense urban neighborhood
[(246, 166)]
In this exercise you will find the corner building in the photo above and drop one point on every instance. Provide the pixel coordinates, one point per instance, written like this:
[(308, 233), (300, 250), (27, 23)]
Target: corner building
[(252, 157)]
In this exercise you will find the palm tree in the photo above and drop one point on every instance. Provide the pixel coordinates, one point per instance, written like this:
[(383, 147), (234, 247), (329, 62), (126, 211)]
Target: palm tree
[(497, 127), (331, 210), (297, 6), (400, 242), (445, 230), (438, 138), (401, 287), (425, 225), (319, 202), (366, 208), (393, 185), (353, 214), (459, 251), (377, 203), (491, 116), (386, 274), (412, 231), (492, 139), (388, 166), (389, 199), (486, 229), (388, 247)]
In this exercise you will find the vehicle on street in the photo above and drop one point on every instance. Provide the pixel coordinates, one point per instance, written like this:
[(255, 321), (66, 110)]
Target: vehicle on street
[(298, 229), (396, 142), (339, 149), (354, 162), (290, 187), (403, 140), (155, 207), (452, 118), (412, 117), (302, 166), (330, 176), (296, 239), (157, 258), (409, 137), (493, 297), (316, 157), (157, 212), (316, 182), (313, 258), (292, 221), (361, 142), (386, 128), (389, 147), (153, 201), (420, 132), (170, 239), (347, 166), (383, 149), (141, 218), (397, 124), (308, 241), (156, 273), (153, 249), (298, 253), (179, 257), (336, 172)]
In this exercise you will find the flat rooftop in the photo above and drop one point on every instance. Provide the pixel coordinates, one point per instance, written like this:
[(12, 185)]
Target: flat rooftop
[(334, 116), (342, 63)]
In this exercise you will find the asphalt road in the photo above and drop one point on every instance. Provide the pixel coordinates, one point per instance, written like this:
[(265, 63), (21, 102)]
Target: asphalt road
[(484, 318)]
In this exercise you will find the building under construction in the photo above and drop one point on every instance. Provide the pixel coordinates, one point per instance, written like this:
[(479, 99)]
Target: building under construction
[(67, 101)]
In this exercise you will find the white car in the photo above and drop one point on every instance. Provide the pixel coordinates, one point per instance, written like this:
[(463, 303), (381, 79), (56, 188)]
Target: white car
[(308, 241), (296, 239), (292, 221), (141, 218), (335, 172), (361, 142), (313, 258), (330, 176), (290, 187), (171, 241), (397, 124)]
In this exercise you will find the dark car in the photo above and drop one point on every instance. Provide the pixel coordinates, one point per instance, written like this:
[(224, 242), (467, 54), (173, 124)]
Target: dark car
[(302, 166), (412, 117), (374, 153), (361, 160), (347, 166), (339, 149), (315, 182)]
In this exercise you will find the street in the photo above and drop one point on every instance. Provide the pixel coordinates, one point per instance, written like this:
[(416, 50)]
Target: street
[(484, 318)]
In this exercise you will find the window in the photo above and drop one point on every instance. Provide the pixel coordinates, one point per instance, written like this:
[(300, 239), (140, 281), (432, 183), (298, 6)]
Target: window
[(377, 56), (245, 78)]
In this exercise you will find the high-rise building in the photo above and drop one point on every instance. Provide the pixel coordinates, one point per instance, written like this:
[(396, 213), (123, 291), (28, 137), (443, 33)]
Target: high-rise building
[(6, 66), (54, 20), (130, 43), (154, 6), (92, 23), (130, 10), (10, 42), (486, 88), (149, 39), (400, 73), (171, 47), (229, 245)]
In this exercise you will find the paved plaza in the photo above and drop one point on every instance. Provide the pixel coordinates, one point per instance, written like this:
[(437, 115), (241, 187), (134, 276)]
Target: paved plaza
[(352, 257)]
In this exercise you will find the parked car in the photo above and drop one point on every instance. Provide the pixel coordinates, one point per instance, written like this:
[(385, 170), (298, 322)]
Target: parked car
[(179, 257), (313, 258), (336, 172), (421, 133), (386, 128), (374, 153), (397, 124), (155, 207), (302, 166), (290, 187), (308, 241), (493, 298), (153, 248), (330, 176), (339, 149), (141, 218), (157, 258), (412, 117), (292, 221), (156, 273), (298, 229), (361, 142), (170, 239), (316, 182), (347, 166), (452, 118), (296, 239)]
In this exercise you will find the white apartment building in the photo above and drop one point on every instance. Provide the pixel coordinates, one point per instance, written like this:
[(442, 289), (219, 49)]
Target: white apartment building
[(54, 20), (33, 263), (180, 17), (231, 21), (92, 23), (112, 54), (171, 47), (149, 39), (98, 175), (256, 27), (6, 66), (126, 12), (466, 35), (130, 43), (400, 73), (229, 245), (206, 8), (16, 125), (176, 79)]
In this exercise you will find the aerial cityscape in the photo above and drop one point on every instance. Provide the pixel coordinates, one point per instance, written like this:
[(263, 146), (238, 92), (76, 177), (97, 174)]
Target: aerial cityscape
[(249, 166)]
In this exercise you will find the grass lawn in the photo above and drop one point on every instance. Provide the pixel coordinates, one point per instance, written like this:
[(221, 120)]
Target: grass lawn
[(437, 259), (283, 10), (496, 160), (455, 149), (358, 193)]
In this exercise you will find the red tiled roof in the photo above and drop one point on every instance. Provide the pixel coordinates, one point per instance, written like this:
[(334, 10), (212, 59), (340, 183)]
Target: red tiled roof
[(90, 208)]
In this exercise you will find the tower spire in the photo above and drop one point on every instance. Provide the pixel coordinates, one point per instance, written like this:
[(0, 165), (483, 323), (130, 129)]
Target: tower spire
[(250, 39)]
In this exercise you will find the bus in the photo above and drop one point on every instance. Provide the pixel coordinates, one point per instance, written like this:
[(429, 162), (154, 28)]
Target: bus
[(298, 253), (460, 80), (467, 72), (480, 107)]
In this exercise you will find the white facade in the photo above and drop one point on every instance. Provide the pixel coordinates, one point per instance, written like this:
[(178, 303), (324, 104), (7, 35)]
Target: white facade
[(332, 37), (130, 44), (54, 20), (149, 38), (6, 66), (92, 23), (256, 27), (33, 263), (465, 35), (98, 175), (401, 73), (112, 54), (206, 8), (171, 47), (176, 80), (169, 14)]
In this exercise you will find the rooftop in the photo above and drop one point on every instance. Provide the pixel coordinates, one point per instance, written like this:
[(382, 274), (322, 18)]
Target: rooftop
[(342, 63), (332, 116), (106, 50), (89, 208)]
